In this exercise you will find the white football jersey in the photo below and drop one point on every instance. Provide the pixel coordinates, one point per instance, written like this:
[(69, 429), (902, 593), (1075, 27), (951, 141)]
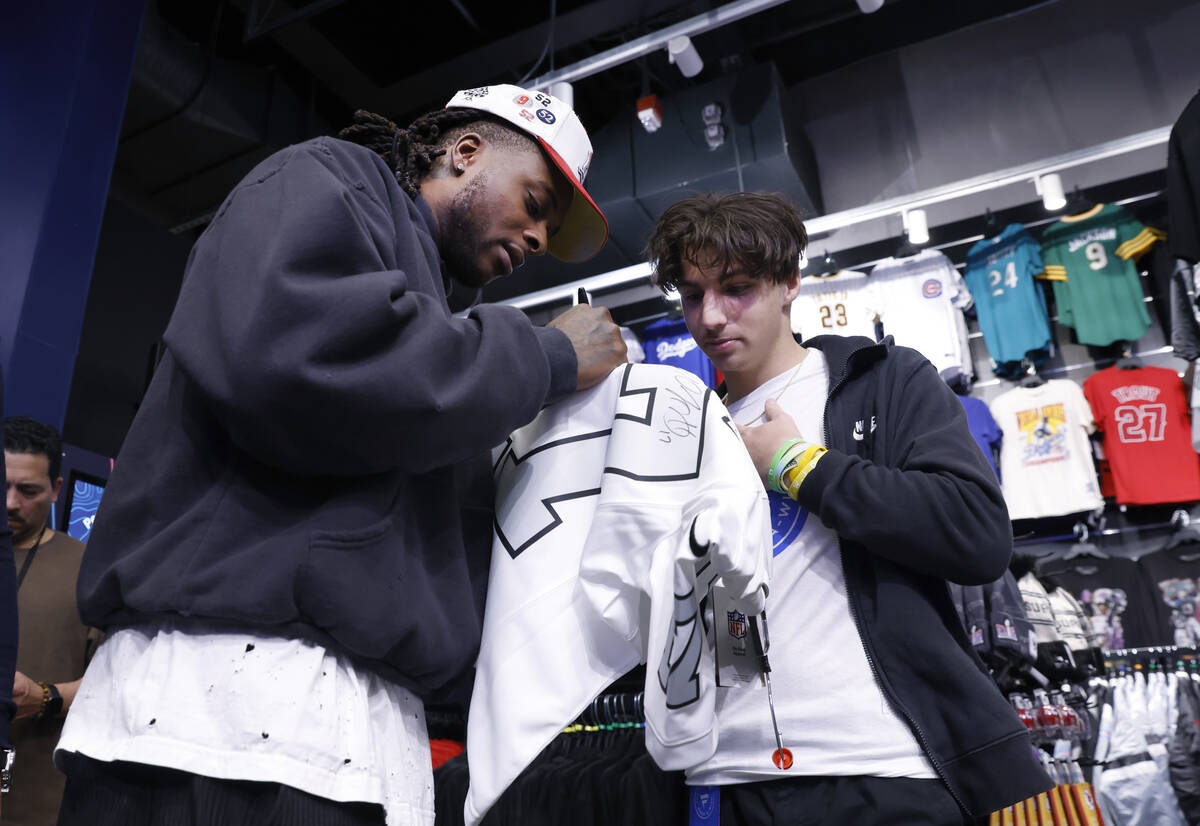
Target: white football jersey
[(923, 297), (616, 509)]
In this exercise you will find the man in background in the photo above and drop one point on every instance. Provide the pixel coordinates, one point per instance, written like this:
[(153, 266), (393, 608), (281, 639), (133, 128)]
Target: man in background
[(54, 642)]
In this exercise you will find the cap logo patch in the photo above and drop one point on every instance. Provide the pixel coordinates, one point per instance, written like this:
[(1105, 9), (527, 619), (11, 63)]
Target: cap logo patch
[(478, 92), (521, 100), (582, 171), (545, 116), (525, 113)]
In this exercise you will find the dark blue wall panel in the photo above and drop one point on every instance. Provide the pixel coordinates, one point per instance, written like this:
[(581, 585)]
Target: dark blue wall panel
[(64, 75)]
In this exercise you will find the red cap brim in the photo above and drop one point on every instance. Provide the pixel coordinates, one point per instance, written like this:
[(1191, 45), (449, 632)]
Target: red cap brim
[(585, 229)]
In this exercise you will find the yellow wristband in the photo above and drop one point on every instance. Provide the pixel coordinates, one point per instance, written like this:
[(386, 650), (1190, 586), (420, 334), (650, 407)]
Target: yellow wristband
[(794, 476)]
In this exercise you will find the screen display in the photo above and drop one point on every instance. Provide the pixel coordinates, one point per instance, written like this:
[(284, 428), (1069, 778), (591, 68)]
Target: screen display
[(85, 500)]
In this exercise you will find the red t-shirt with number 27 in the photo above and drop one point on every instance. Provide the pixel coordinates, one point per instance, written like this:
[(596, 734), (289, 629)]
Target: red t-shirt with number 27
[(1144, 418)]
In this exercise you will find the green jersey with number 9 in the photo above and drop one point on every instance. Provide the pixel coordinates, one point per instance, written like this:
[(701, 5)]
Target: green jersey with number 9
[(1089, 259)]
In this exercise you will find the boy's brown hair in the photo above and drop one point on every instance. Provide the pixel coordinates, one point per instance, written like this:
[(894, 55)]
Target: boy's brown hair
[(761, 233)]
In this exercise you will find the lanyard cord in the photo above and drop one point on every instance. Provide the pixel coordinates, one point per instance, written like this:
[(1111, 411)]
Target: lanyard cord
[(29, 559)]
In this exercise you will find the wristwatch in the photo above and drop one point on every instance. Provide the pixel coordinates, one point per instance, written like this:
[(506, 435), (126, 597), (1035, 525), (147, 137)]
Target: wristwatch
[(52, 701), (9, 756)]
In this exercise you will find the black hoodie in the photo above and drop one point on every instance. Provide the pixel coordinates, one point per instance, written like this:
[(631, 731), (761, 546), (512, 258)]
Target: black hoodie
[(302, 462), (914, 504)]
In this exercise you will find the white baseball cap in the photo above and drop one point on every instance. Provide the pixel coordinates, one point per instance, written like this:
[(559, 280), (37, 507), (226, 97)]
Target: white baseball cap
[(565, 142)]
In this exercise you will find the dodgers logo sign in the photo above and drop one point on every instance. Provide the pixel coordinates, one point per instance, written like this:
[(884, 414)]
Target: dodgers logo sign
[(787, 520)]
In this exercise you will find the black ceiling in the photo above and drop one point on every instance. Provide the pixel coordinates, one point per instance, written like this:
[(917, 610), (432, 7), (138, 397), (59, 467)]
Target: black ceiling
[(220, 84)]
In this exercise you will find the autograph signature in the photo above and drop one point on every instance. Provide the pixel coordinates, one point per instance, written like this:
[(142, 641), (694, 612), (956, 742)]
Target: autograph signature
[(684, 410)]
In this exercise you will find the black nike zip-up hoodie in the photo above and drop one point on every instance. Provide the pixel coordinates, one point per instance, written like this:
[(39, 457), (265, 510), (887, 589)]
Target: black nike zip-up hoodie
[(914, 504)]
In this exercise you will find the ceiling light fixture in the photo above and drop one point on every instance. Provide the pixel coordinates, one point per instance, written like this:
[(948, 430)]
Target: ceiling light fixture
[(1050, 187), (869, 6), (563, 91), (683, 54), (916, 224)]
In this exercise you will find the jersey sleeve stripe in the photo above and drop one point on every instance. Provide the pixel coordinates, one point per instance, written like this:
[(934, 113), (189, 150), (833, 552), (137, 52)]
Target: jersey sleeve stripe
[(1137, 245)]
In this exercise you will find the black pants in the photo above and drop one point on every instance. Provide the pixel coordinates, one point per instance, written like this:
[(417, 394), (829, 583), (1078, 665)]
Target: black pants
[(133, 794), (855, 801)]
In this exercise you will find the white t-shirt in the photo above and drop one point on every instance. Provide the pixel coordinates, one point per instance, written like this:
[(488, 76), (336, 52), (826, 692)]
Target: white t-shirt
[(832, 714), (840, 304), (1046, 460), (242, 706)]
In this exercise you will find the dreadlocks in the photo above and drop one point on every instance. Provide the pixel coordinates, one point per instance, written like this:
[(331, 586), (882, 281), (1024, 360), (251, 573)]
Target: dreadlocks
[(411, 152)]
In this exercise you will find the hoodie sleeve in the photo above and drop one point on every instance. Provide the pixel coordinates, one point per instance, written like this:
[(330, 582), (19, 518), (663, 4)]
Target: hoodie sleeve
[(313, 321), (938, 510)]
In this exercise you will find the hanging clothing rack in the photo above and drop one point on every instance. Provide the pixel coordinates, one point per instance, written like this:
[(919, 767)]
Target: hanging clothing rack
[(640, 273), (1180, 518)]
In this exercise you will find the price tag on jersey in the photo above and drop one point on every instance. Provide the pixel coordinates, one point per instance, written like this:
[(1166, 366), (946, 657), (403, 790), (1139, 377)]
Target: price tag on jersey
[(737, 661)]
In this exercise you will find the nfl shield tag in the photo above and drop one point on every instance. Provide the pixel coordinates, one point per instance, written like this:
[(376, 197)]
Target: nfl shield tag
[(737, 664)]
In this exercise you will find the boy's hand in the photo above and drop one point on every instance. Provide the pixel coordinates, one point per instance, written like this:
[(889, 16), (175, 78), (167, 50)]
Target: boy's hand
[(763, 440)]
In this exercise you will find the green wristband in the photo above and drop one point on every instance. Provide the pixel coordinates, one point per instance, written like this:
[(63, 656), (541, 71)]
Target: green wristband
[(773, 468)]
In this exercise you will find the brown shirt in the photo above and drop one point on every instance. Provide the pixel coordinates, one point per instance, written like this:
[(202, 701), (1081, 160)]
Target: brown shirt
[(53, 648)]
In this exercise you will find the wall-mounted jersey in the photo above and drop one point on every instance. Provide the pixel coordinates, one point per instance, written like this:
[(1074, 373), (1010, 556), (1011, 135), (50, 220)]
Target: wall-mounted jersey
[(1144, 417), (1116, 596), (840, 304), (922, 298), (1174, 576), (615, 510), (1010, 305), (1046, 461), (667, 341), (1089, 259)]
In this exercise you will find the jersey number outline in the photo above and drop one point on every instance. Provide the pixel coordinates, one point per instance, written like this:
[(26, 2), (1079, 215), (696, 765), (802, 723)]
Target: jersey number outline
[(1009, 277), (1141, 423), (828, 319)]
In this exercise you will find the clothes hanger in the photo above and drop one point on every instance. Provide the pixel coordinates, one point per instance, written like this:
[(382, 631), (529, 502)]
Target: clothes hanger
[(991, 226), (829, 266), (1078, 203), (1128, 361), (1083, 547), (1032, 377), (1183, 536)]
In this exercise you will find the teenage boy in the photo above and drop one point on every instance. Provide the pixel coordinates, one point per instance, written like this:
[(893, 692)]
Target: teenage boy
[(879, 496)]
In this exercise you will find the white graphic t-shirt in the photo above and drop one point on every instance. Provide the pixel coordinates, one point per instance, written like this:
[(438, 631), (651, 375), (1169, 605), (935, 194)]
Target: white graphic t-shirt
[(1046, 461), (832, 714)]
